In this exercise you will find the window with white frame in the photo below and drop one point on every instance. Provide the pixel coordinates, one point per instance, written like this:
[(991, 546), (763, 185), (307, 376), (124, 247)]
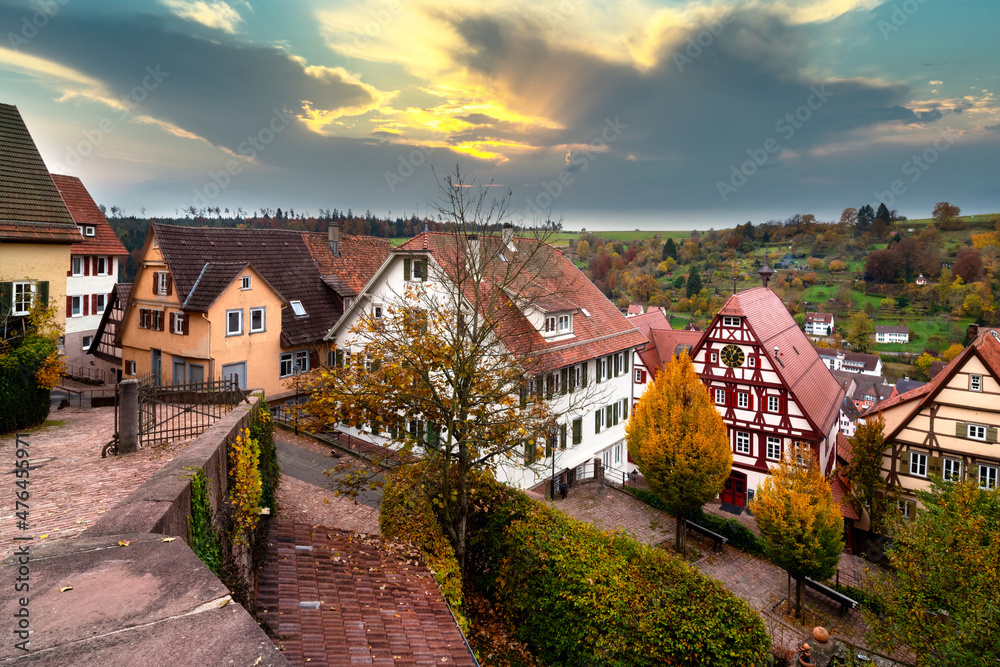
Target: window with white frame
[(742, 442), (742, 399), (77, 266), (550, 324), (89, 231), (234, 322), (715, 357), (720, 396), (100, 303), (606, 458), (76, 306), (951, 470), (258, 321), (976, 431), (918, 464), (618, 454), (774, 404), (377, 311), (291, 362), (975, 383), (730, 321), (87, 340), (101, 266), (905, 508), (565, 324), (24, 295), (987, 477), (177, 323), (773, 448), (297, 308), (246, 282), (752, 362), (162, 283), (640, 376)]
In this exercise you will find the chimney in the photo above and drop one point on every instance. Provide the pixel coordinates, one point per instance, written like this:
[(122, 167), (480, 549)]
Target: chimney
[(507, 233), (333, 238)]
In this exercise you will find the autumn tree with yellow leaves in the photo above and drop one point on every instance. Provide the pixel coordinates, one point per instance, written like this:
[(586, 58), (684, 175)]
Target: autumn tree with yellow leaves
[(442, 376), (678, 440), (799, 520)]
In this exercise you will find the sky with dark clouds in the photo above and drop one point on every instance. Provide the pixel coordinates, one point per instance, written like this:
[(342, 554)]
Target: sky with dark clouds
[(620, 114)]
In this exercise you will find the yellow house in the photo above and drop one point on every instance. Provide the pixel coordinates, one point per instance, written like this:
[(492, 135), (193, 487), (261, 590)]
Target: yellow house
[(947, 427), (251, 304), (36, 229)]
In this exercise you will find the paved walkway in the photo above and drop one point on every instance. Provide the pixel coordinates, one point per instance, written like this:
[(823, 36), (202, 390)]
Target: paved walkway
[(70, 485), (763, 585)]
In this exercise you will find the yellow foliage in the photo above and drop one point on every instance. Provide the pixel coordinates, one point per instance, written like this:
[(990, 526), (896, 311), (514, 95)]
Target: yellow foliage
[(245, 490), (49, 373), (980, 241), (678, 439)]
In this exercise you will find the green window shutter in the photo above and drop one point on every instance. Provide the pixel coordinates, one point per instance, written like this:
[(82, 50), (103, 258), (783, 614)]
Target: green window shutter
[(934, 466), (597, 421), (628, 355), (432, 436), (991, 434), (394, 431), (338, 358), (43, 293), (960, 429), (624, 408), (577, 430), (563, 380), (548, 444), (616, 414), (529, 453), (571, 377), (608, 417), (6, 299), (406, 268), (423, 270), (524, 396), (597, 370), (550, 381), (583, 382), (616, 365), (904, 463), (562, 436)]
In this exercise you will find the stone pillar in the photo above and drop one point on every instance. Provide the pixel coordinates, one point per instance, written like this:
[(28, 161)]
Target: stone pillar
[(602, 490), (128, 416)]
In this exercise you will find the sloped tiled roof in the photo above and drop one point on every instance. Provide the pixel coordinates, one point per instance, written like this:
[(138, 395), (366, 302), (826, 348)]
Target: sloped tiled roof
[(986, 346), (599, 328), (842, 496), (845, 452), (31, 209), (826, 318), (797, 362), (655, 320), (214, 278), (280, 256), (906, 384), (360, 257), (859, 359), (85, 212), (668, 343), (891, 328), (634, 309)]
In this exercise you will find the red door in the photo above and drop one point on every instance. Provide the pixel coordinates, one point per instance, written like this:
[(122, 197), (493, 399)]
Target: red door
[(735, 491)]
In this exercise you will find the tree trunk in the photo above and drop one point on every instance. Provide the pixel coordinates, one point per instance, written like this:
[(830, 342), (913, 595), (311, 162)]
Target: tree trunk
[(798, 598), (680, 536)]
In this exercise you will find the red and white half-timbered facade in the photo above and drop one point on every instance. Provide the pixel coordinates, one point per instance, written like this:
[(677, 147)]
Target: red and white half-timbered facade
[(770, 386)]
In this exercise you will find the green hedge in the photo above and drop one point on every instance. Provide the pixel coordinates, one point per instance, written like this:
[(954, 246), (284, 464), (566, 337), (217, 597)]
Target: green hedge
[(739, 535), (23, 403), (580, 596)]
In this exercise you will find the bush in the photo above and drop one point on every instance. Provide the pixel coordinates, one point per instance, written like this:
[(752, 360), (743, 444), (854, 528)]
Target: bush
[(580, 596), (24, 398)]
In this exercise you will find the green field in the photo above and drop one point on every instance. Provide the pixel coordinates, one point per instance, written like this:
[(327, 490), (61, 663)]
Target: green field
[(619, 235)]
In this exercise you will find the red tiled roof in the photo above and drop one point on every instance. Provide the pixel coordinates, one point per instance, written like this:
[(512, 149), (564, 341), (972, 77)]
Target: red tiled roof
[(599, 328), (634, 309), (819, 317), (844, 449), (31, 209), (85, 212), (359, 259), (668, 343), (280, 256), (815, 389), (842, 496), (378, 602)]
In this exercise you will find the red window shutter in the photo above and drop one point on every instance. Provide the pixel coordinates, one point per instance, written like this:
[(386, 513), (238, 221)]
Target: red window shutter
[(142, 318), (184, 323), (86, 266), (86, 304), (111, 266), (169, 285), (156, 281), (93, 303), (69, 272), (69, 306)]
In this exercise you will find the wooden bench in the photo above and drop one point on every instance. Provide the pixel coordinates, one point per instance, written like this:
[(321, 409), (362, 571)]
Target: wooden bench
[(718, 540), (838, 597)]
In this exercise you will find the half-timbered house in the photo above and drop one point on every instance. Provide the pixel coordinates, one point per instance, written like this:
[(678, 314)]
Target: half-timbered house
[(770, 386), (947, 427)]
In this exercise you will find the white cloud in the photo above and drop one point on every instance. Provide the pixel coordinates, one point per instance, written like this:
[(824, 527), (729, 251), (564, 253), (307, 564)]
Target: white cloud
[(217, 15)]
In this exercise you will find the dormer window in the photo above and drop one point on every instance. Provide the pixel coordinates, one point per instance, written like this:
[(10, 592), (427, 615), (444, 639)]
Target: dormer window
[(550, 324), (89, 231), (297, 308), (558, 325)]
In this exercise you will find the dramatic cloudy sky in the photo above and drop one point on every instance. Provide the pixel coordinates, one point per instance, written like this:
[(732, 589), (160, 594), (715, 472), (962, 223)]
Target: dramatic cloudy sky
[(626, 113)]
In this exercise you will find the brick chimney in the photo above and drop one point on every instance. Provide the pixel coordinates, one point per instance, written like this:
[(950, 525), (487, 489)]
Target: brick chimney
[(333, 238)]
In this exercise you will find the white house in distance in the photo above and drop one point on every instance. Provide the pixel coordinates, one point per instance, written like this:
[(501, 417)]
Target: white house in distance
[(819, 324), (95, 267), (853, 362), (579, 339), (770, 386), (885, 333)]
